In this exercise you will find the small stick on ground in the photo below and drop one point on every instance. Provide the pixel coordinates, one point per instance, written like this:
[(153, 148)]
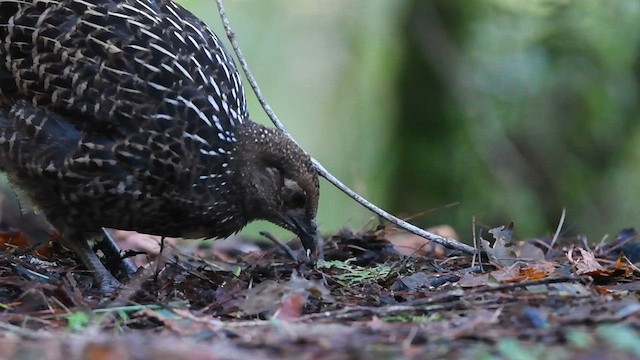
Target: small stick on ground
[(545, 281), (476, 244), (448, 243), (284, 247), (558, 229)]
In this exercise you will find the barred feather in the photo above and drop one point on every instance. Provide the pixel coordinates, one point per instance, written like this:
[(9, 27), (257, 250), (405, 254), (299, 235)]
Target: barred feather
[(130, 114)]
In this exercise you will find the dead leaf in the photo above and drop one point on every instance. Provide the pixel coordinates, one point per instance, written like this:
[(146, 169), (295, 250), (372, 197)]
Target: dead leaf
[(507, 275), (291, 307), (501, 252), (473, 280), (622, 264), (602, 290), (529, 251), (14, 239), (587, 264), (536, 271), (270, 295)]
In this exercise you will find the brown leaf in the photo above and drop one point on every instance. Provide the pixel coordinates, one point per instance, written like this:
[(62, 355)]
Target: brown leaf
[(603, 290), (622, 264), (588, 264), (270, 295), (14, 239), (501, 252), (536, 271), (508, 275), (527, 250), (291, 307), (105, 352)]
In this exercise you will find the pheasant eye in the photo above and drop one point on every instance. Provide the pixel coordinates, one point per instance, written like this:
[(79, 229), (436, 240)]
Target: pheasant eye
[(298, 199)]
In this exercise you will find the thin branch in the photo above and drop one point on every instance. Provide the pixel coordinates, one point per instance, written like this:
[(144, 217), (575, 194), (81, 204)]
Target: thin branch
[(545, 281), (282, 246), (449, 243), (558, 229), (245, 67)]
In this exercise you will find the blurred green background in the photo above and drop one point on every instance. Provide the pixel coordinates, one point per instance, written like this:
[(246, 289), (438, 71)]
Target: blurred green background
[(513, 109)]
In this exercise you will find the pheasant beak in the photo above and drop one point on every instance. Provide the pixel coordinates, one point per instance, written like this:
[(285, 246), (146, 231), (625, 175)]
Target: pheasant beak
[(307, 230)]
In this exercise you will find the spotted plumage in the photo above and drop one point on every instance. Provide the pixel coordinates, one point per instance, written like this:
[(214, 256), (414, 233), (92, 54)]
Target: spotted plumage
[(130, 114)]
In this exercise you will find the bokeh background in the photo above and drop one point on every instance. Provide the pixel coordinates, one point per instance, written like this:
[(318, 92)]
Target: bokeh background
[(511, 110), (505, 110)]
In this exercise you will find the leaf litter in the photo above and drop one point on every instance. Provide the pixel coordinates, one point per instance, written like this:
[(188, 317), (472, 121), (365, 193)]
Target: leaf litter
[(371, 298)]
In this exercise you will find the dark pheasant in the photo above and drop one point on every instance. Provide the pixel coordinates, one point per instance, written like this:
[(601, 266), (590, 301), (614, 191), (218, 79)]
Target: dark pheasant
[(130, 114)]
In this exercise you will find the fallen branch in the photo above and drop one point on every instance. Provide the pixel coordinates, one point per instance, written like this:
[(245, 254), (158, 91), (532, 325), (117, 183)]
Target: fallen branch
[(449, 243)]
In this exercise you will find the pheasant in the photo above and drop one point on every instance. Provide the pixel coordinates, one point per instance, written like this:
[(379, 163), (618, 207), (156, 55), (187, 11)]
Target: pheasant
[(130, 114)]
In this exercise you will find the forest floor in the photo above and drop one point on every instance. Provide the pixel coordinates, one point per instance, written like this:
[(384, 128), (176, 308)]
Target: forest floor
[(379, 294)]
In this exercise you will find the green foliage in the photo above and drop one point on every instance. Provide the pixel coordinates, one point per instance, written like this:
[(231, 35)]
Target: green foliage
[(78, 321), (535, 109), (621, 337), (579, 339), (118, 317), (608, 341), (512, 349), (352, 275)]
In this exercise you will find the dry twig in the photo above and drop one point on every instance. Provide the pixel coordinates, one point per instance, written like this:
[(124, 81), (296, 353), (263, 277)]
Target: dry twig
[(449, 243)]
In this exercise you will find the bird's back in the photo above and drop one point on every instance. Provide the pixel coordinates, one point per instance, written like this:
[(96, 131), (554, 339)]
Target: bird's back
[(143, 98), (118, 62)]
